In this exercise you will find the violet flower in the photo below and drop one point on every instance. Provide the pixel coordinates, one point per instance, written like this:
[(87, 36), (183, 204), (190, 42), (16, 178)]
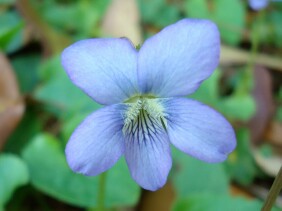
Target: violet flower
[(261, 4), (146, 109), (258, 4)]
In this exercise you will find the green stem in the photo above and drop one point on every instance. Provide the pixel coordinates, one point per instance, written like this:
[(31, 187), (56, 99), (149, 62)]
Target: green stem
[(54, 41), (101, 192), (274, 192), (248, 82), (255, 38)]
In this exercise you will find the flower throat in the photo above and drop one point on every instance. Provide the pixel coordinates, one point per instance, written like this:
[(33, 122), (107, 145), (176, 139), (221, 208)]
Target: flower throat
[(144, 117)]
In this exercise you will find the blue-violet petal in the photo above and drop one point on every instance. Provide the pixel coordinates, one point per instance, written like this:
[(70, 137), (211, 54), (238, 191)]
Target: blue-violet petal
[(198, 130), (258, 4), (175, 61), (147, 151), (105, 69), (97, 143)]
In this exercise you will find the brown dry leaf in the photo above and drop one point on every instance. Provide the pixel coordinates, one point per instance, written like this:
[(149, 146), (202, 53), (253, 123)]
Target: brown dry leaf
[(11, 105), (122, 20), (270, 165), (52, 40), (262, 94), (274, 133), (238, 56), (161, 199), (239, 191)]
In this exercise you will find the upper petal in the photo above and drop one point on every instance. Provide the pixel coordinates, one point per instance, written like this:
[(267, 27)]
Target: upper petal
[(176, 60), (147, 152), (198, 130), (104, 68), (97, 143)]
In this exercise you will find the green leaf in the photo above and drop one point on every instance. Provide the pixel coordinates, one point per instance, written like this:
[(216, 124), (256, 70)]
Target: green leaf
[(7, 2), (278, 113), (216, 202), (197, 8), (193, 176), (64, 16), (58, 92), (11, 31), (275, 18), (30, 125), (241, 165), (236, 106), (51, 174), (158, 12), (241, 107), (229, 15), (240, 104), (208, 92), (13, 174), (26, 68)]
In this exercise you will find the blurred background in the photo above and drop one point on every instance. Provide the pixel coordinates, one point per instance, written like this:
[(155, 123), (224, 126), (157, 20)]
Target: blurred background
[(40, 107)]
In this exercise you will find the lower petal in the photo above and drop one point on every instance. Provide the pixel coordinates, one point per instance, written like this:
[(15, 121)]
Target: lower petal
[(198, 130), (97, 143), (147, 154)]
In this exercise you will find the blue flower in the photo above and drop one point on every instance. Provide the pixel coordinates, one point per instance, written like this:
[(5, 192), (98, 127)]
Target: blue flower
[(146, 109), (261, 4), (258, 4)]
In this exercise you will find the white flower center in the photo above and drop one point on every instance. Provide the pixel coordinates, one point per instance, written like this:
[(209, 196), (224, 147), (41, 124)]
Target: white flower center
[(144, 117)]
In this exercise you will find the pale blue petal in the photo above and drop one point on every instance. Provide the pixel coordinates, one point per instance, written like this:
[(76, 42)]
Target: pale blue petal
[(175, 61), (258, 4), (147, 154), (97, 143), (198, 130), (105, 69)]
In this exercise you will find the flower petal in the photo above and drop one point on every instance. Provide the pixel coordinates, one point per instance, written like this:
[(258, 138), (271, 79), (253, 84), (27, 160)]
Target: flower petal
[(258, 4), (97, 143), (147, 154), (105, 69), (176, 60), (198, 130)]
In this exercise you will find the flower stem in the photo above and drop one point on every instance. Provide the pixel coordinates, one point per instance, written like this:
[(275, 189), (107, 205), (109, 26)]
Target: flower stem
[(248, 79), (101, 192), (274, 192)]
